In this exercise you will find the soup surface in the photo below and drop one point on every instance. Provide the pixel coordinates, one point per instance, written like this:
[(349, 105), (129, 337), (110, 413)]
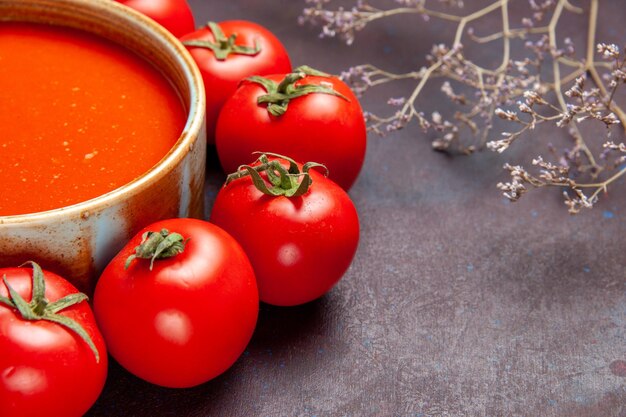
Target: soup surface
[(79, 117)]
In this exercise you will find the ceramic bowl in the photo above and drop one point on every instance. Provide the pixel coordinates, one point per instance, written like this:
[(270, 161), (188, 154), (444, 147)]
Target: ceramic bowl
[(78, 241)]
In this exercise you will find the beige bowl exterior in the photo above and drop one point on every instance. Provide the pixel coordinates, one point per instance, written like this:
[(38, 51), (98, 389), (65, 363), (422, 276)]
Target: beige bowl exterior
[(78, 241)]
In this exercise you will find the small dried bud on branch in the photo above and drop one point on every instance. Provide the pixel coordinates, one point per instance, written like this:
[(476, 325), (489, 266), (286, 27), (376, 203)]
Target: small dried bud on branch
[(610, 51)]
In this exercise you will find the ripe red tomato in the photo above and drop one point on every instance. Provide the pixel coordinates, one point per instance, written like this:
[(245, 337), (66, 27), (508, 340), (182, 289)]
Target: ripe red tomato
[(228, 52), (189, 318), (320, 127), (174, 15), (46, 368), (299, 246)]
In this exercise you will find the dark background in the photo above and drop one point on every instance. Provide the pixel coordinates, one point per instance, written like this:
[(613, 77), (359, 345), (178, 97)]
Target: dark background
[(457, 303)]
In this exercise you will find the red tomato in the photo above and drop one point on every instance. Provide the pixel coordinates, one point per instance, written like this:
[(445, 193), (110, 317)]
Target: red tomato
[(299, 247), (189, 318), (316, 127), (253, 50), (173, 15), (45, 368)]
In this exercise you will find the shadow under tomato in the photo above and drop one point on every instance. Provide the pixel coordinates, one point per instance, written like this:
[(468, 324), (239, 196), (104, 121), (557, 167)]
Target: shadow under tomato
[(126, 395), (213, 181), (282, 326)]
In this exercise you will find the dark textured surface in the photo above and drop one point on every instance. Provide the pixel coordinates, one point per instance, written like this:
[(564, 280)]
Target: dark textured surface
[(458, 303)]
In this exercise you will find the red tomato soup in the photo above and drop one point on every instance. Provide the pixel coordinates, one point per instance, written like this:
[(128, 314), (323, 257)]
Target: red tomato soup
[(79, 117)]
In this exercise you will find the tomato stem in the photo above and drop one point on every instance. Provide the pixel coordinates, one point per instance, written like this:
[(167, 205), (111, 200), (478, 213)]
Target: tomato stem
[(40, 308), (283, 181), (280, 94), (157, 245), (223, 46)]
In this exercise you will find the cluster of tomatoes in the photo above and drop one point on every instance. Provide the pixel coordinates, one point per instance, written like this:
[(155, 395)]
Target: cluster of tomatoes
[(179, 303)]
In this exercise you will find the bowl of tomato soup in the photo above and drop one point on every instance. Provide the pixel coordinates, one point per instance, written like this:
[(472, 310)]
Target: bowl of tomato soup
[(101, 120)]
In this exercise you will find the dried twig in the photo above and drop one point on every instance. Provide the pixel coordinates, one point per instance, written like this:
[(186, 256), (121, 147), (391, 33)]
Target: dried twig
[(515, 91)]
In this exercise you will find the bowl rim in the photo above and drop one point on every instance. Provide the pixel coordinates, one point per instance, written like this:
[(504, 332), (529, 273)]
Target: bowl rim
[(185, 142)]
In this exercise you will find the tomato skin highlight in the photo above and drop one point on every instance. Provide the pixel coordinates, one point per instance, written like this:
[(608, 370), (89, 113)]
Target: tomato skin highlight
[(317, 127), (45, 369), (190, 318), (299, 247), (221, 77), (174, 15)]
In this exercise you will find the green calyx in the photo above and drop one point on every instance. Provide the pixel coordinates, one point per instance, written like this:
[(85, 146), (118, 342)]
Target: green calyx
[(288, 182), (223, 46), (157, 245), (39, 308), (279, 94)]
